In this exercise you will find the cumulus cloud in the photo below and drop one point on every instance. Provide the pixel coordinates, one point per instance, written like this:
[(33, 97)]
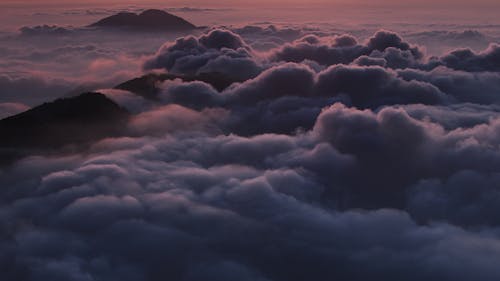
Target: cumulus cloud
[(466, 198), (479, 88), (280, 81), (197, 95), (468, 60), (44, 30), (346, 49), (220, 51), (265, 38), (380, 87), (333, 156), (197, 196)]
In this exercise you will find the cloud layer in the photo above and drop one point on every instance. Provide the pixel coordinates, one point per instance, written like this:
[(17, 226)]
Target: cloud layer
[(326, 155)]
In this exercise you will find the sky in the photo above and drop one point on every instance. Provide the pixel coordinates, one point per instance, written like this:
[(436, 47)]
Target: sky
[(240, 2), (260, 3), (18, 13)]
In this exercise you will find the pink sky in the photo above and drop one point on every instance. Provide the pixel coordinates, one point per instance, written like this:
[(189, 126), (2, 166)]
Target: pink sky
[(424, 3), (17, 13)]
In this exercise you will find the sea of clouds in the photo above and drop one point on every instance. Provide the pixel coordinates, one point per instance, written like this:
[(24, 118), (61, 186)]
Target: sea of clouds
[(336, 156)]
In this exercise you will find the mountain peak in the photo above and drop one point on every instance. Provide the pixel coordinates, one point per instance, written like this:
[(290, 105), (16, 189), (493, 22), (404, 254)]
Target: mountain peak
[(51, 126), (147, 20)]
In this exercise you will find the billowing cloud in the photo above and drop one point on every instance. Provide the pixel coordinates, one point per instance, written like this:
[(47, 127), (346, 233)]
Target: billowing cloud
[(322, 156), (44, 30), (197, 196), (479, 88), (346, 49), (468, 60), (220, 51), (380, 87)]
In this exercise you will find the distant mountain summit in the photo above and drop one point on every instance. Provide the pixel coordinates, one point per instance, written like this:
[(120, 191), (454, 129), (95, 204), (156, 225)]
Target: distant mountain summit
[(49, 127), (147, 20), (147, 86)]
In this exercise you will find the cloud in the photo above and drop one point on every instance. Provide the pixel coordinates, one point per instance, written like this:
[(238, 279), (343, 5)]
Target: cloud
[(280, 81), (254, 31), (265, 38), (44, 30), (172, 118), (468, 60), (195, 10), (219, 51), (9, 109), (466, 198), (197, 197), (345, 49), (196, 95), (322, 53), (66, 53), (82, 60), (395, 150), (438, 42), (479, 88), (290, 96), (454, 116), (132, 102), (333, 156), (31, 89), (380, 87)]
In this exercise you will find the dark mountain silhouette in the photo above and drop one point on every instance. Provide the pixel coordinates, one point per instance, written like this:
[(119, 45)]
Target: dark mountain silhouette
[(147, 20), (70, 124), (147, 85), (52, 126)]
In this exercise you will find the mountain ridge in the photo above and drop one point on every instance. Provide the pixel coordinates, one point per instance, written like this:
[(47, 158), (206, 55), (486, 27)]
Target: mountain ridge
[(54, 125)]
